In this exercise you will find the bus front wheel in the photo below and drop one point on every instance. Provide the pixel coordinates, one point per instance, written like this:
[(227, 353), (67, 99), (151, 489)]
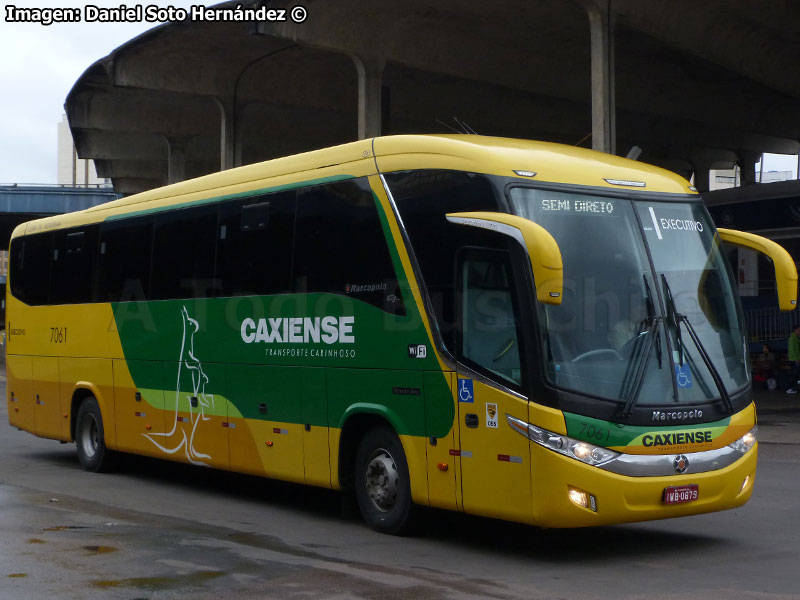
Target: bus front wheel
[(90, 437), (383, 489)]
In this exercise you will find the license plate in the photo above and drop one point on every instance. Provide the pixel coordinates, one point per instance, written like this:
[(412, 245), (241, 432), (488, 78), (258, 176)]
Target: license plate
[(681, 494)]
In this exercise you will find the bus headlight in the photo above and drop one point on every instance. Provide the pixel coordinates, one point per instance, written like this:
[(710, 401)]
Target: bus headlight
[(746, 442), (582, 451)]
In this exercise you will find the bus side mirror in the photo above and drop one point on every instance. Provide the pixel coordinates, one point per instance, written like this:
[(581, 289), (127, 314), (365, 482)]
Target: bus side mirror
[(539, 245), (785, 269)]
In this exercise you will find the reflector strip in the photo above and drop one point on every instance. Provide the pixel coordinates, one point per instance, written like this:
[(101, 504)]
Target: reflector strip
[(140, 414), (229, 425), (280, 431), (509, 458), (455, 452)]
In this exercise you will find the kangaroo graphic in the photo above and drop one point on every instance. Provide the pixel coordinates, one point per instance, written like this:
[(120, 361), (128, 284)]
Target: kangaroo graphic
[(191, 381)]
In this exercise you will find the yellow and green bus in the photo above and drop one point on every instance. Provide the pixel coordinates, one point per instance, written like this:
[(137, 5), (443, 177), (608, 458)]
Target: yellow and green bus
[(521, 330)]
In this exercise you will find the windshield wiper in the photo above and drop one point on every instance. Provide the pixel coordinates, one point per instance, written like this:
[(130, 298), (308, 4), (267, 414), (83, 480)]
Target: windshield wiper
[(632, 385), (678, 319), (673, 316), (637, 366)]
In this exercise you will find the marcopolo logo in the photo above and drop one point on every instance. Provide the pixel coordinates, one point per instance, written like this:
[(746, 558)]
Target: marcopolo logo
[(299, 330)]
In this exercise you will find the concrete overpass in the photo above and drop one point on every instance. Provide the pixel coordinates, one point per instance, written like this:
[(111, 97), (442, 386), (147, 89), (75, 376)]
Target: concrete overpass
[(695, 85)]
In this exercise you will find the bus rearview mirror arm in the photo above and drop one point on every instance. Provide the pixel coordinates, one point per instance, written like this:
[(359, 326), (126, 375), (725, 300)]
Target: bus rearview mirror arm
[(785, 269), (539, 245)]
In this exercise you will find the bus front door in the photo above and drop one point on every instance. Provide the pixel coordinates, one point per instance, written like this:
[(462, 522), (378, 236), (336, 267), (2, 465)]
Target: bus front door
[(495, 460)]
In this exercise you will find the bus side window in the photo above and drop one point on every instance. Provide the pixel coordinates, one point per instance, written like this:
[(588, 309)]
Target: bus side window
[(73, 269), (340, 246), (489, 340), (184, 250), (255, 245), (424, 198), (124, 260), (31, 278)]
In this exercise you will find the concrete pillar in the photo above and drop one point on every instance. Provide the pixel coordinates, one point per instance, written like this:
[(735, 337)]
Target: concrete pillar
[(601, 26), (176, 159), (226, 134), (370, 74), (702, 164), (747, 162)]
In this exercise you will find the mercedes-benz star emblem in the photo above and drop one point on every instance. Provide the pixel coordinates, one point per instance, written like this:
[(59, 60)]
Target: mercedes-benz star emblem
[(681, 464)]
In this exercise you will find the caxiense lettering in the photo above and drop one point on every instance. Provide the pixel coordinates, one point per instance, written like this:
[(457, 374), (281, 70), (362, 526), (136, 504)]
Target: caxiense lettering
[(676, 439), (299, 330)]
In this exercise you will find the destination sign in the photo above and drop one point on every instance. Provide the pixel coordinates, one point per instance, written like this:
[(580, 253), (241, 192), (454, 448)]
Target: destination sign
[(578, 206)]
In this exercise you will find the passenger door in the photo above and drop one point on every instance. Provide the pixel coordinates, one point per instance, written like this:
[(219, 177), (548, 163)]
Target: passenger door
[(495, 460)]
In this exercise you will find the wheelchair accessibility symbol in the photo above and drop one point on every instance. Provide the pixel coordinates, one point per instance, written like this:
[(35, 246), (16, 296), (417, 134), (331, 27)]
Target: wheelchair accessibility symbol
[(683, 376), (465, 393)]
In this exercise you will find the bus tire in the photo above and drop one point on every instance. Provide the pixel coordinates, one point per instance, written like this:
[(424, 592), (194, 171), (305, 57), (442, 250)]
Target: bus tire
[(90, 437), (382, 482)]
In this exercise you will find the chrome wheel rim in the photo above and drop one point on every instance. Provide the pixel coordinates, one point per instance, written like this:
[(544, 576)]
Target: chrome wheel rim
[(382, 480), (89, 436)]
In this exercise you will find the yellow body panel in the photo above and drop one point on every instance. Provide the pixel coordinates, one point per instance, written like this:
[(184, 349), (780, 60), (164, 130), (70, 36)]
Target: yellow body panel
[(136, 416), (414, 447), (47, 399), (317, 457), (551, 162), (442, 464), (495, 461), (279, 450), (19, 388)]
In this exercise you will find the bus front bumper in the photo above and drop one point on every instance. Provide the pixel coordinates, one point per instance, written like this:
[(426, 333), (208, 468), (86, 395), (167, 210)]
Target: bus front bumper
[(569, 493)]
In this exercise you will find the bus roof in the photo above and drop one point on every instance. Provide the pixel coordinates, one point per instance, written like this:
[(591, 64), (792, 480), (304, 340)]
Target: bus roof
[(551, 162)]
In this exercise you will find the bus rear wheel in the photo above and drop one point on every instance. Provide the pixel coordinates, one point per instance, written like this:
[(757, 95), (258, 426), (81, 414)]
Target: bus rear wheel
[(90, 437), (382, 488)]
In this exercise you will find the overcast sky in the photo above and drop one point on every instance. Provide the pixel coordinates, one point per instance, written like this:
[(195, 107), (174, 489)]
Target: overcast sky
[(39, 65)]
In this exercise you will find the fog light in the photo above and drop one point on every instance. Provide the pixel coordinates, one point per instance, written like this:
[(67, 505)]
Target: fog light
[(582, 499)]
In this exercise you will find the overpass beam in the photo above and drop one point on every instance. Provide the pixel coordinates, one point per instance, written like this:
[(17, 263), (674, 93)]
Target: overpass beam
[(227, 136), (370, 76), (703, 162), (176, 158), (747, 162), (601, 26)]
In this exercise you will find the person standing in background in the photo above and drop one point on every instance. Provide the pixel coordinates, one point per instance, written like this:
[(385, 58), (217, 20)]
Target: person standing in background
[(794, 359)]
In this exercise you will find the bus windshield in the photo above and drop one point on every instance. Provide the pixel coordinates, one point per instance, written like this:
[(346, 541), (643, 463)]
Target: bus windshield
[(624, 332)]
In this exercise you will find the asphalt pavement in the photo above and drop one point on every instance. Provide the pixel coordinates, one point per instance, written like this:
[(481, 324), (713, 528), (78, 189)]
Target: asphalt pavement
[(778, 416)]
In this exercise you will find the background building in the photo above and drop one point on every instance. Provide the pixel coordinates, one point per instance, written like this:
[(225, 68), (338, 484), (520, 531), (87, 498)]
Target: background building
[(74, 171)]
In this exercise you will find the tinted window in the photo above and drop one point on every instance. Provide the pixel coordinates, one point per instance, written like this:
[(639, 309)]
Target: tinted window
[(489, 340), (124, 260), (30, 267), (255, 245), (340, 246), (184, 247), (74, 263), (423, 199)]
